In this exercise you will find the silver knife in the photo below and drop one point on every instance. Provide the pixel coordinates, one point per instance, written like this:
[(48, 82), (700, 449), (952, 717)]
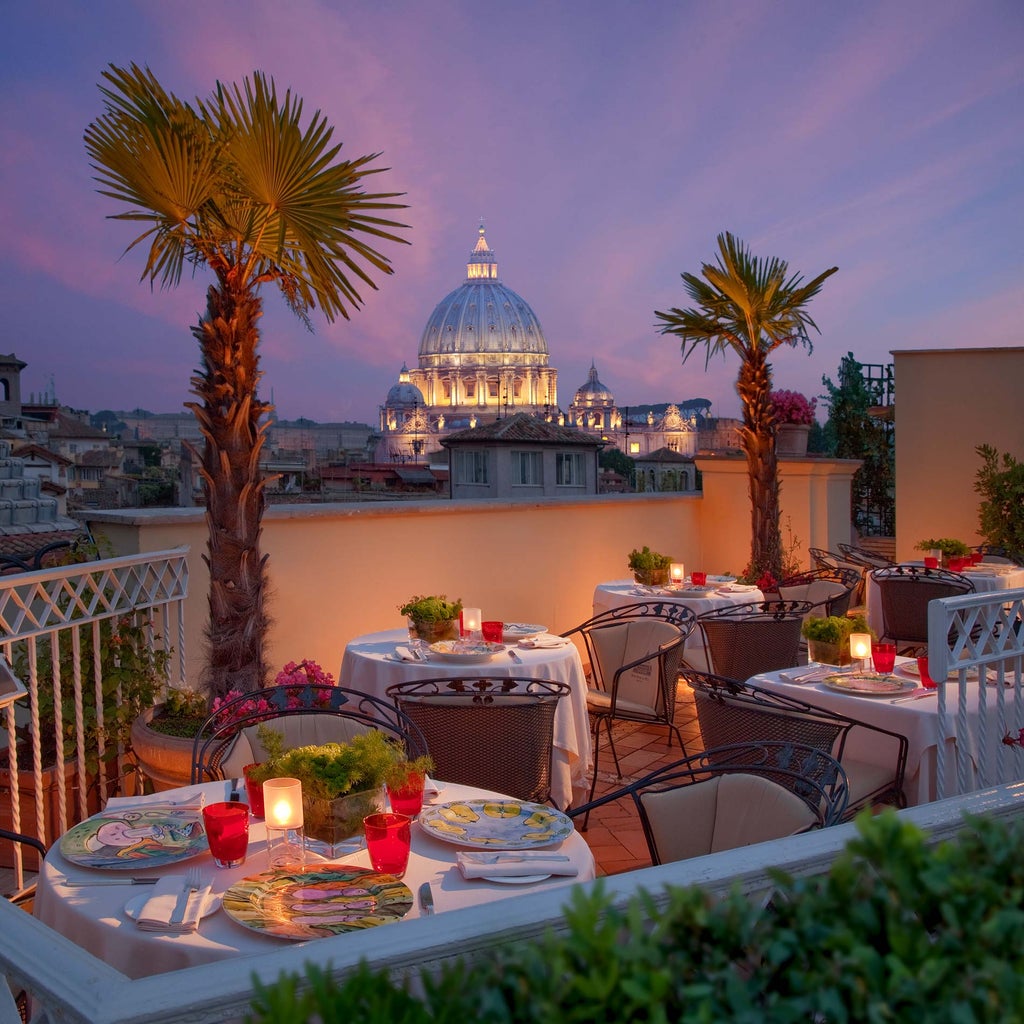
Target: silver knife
[(79, 883), (913, 696), (514, 656), (426, 898)]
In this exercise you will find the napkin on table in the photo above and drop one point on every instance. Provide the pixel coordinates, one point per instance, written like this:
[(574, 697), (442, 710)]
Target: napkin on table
[(155, 916), (490, 865), (406, 654), (815, 675), (544, 640)]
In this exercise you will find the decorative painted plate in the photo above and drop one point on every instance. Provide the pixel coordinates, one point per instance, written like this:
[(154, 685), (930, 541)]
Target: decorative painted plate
[(316, 902), (496, 824), (468, 652), (721, 579), (868, 684), (521, 630), (910, 668), (136, 837)]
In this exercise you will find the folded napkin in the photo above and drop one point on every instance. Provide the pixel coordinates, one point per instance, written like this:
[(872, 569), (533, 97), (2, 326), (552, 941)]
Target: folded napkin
[(544, 640), (406, 654), (188, 798), (491, 865), (155, 916), (815, 675)]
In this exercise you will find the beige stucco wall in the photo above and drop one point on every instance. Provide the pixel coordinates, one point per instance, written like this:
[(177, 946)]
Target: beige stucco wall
[(340, 570), (947, 403)]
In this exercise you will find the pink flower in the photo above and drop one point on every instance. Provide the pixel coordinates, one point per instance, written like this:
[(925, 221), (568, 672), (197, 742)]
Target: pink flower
[(792, 407), (301, 674)]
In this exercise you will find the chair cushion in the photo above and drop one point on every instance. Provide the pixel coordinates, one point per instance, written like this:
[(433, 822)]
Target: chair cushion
[(297, 730), (865, 779), (624, 642), (722, 813)]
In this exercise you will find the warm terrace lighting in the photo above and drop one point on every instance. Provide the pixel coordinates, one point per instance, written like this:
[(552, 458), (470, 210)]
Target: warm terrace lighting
[(677, 572), (860, 646)]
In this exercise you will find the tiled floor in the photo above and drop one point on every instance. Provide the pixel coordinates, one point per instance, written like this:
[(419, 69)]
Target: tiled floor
[(614, 833)]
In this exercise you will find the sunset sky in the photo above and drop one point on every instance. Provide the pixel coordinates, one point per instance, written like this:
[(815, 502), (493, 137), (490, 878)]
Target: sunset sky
[(604, 144)]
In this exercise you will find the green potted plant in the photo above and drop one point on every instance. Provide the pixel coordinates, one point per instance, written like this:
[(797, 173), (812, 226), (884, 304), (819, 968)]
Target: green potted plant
[(949, 547), (828, 637), (649, 567), (341, 782), (432, 617), (1000, 483)]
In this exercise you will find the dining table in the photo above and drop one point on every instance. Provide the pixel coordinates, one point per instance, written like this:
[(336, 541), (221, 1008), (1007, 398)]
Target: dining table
[(719, 592), (373, 662), (914, 712), (95, 915), (986, 577)]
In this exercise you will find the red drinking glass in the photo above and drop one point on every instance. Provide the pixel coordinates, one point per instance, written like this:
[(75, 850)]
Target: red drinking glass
[(388, 839), (253, 791), (922, 667), (956, 565), (408, 798), (883, 656), (227, 831), (931, 562), (699, 579), (493, 631)]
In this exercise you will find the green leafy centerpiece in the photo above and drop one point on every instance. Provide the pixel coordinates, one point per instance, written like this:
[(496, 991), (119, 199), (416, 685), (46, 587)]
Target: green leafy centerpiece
[(341, 782), (432, 618), (828, 637), (649, 567), (950, 547)]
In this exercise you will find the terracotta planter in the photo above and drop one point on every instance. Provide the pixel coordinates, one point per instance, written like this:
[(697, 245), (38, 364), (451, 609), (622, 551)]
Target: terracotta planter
[(165, 760), (431, 632), (791, 438)]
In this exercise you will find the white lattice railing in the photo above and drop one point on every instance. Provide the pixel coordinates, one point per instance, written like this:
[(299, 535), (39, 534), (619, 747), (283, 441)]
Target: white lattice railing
[(53, 611), (978, 641)]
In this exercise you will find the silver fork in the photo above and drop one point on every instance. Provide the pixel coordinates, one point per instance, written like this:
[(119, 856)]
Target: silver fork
[(193, 882)]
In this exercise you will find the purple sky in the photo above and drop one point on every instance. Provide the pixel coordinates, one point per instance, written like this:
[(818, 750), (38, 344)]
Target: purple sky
[(605, 144)]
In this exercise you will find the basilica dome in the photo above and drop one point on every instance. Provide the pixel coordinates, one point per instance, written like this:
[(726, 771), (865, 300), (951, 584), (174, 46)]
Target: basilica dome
[(482, 322), (404, 394), (593, 392)]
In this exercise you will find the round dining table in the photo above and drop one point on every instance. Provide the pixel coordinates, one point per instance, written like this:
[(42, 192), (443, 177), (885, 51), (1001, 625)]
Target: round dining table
[(373, 662), (720, 592), (94, 917)]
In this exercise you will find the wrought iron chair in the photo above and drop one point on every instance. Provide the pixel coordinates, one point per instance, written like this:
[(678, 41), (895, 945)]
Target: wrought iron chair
[(825, 559), (828, 590), (863, 557), (25, 892), (635, 655), (733, 796), (746, 639), (310, 713), (729, 711), (905, 592), (496, 733)]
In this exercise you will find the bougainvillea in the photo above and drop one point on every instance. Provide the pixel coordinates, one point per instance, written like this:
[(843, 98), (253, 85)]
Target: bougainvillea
[(792, 407)]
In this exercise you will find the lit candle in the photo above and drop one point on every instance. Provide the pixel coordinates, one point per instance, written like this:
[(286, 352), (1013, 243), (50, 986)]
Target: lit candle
[(282, 800), (471, 619), (677, 572), (860, 646)]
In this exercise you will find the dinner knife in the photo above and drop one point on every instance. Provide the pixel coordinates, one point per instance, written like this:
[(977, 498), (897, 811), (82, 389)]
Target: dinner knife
[(426, 898), (80, 883)]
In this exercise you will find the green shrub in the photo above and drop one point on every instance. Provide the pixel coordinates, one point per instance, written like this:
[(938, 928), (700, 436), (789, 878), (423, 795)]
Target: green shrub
[(835, 629), (645, 559), (1000, 482), (896, 931)]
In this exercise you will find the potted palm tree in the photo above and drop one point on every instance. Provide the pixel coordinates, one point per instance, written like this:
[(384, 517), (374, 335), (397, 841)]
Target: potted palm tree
[(238, 185), (750, 306)]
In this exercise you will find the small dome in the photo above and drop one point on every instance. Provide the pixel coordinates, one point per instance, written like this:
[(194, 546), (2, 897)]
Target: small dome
[(404, 394), (593, 392)]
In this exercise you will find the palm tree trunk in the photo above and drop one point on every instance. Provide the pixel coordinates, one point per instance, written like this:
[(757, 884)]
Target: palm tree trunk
[(229, 419), (758, 439)]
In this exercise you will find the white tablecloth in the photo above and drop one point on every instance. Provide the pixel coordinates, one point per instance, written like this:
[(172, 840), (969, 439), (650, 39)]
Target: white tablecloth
[(918, 720), (985, 578), (369, 665), (94, 918), (617, 593)]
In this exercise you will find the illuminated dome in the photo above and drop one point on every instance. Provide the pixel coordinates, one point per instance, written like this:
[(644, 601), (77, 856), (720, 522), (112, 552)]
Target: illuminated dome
[(404, 393), (593, 392), (482, 322)]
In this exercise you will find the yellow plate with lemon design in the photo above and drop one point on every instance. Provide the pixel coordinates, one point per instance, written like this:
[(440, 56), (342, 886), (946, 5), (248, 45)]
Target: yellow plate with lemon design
[(496, 824)]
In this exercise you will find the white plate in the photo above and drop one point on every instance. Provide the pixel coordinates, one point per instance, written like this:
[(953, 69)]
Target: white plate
[(909, 668), (721, 579), (134, 906), (521, 630), (514, 879), (466, 652)]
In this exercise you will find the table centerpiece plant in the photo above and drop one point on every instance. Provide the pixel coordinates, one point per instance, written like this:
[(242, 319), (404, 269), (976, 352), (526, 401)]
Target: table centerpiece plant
[(950, 547), (341, 782), (432, 617), (828, 637), (649, 568)]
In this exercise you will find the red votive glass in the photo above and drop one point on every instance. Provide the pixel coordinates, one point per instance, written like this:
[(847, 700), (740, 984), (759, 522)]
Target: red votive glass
[(227, 831), (883, 657), (408, 798), (388, 838)]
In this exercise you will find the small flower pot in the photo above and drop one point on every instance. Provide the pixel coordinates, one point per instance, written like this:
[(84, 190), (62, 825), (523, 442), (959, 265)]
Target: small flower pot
[(335, 827), (651, 577), (829, 654)]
